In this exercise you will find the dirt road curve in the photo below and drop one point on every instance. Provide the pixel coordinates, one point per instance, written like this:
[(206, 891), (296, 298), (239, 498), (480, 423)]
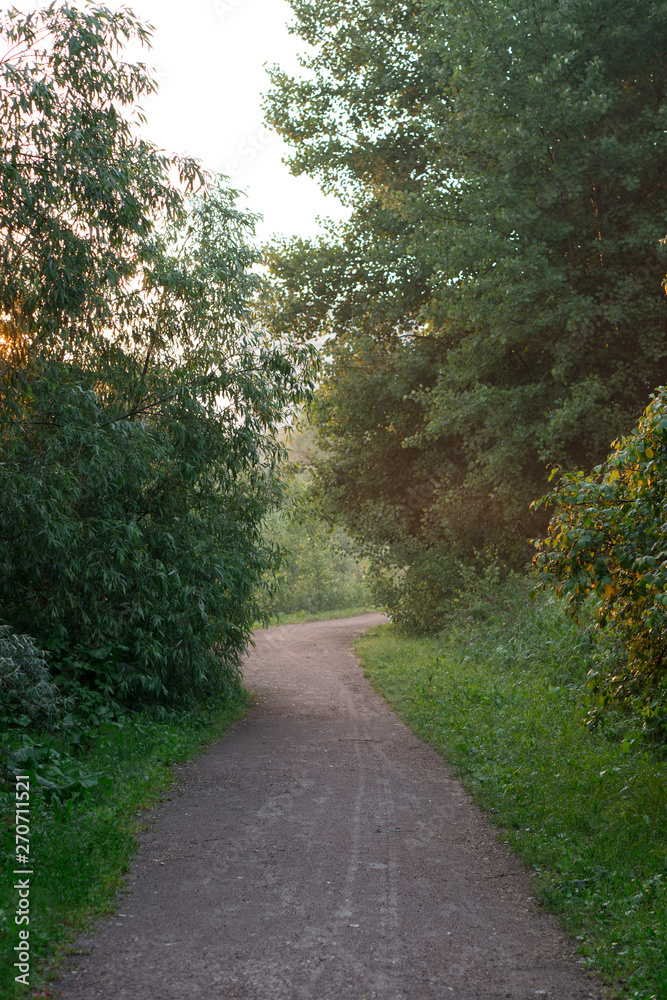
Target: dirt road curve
[(322, 852)]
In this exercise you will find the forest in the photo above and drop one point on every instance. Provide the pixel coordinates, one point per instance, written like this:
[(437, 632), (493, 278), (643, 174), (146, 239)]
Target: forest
[(476, 361), (494, 309)]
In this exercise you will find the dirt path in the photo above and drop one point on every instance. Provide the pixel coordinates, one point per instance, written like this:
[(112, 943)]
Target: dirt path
[(322, 852)]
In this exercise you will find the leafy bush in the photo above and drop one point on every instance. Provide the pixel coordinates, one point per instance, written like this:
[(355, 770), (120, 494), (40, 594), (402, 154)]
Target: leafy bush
[(607, 544), (138, 402), (26, 687), (431, 589), (415, 591), (132, 499), (132, 546)]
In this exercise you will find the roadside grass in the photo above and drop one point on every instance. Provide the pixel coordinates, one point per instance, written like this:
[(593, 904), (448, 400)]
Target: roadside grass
[(280, 618), (501, 693), (81, 843)]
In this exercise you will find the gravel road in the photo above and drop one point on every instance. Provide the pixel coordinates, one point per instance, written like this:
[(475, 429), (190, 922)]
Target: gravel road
[(320, 851)]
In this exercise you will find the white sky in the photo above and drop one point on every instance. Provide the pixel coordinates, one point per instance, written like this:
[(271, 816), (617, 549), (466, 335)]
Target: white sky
[(210, 56)]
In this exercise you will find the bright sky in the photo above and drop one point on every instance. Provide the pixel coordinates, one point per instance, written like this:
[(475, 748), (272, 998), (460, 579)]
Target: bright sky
[(210, 57)]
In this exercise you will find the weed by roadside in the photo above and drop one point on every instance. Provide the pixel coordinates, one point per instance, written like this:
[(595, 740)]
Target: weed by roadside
[(502, 694)]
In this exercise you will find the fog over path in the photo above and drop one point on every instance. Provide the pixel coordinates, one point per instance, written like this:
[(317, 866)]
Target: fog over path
[(320, 851)]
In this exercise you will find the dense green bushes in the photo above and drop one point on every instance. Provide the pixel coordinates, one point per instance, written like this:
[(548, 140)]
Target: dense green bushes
[(132, 498), (129, 549), (606, 551), (138, 402)]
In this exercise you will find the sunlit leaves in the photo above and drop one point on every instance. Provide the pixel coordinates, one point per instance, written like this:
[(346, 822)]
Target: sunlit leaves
[(506, 168), (608, 541), (139, 403), (79, 189)]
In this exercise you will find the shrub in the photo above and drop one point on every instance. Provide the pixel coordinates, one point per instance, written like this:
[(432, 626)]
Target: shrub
[(607, 544), (26, 688), (139, 402), (131, 496), (416, 592)]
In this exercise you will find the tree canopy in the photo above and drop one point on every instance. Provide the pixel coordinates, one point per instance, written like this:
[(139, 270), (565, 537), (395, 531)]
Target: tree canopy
[(79, 188), (502, 264), (139, 399)]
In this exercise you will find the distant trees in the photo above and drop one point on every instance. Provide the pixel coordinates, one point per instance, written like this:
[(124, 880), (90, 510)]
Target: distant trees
[(320, 570), (138, 401), (495, 300)]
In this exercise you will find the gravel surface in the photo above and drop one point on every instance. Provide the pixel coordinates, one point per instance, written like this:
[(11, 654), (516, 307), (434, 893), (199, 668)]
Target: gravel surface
[(320, 851)]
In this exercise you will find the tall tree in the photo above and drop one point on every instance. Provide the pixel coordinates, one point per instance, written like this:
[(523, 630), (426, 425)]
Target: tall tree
[(506, 164), (79, 188), (138, 400)]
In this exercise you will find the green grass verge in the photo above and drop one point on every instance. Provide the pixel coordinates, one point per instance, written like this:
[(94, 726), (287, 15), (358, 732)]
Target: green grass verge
[(80, 850), (504, 700), (281, 618)]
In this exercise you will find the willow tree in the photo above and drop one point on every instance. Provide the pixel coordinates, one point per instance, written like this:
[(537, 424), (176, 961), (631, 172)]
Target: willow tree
[(138, 399)]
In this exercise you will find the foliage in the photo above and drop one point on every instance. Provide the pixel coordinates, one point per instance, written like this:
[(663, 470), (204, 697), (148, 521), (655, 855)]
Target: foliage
[(382, 485), (61, 780), (494, 300), (424, 598), (132, 508), (414, 584), (502, 694), (607, 541), (79, 189), (139, 403), (82, 830), (27, 691), (320, 570)]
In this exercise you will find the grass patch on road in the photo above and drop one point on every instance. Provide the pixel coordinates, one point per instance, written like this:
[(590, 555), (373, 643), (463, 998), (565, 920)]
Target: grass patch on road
[(502, 695), (82, 840)]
